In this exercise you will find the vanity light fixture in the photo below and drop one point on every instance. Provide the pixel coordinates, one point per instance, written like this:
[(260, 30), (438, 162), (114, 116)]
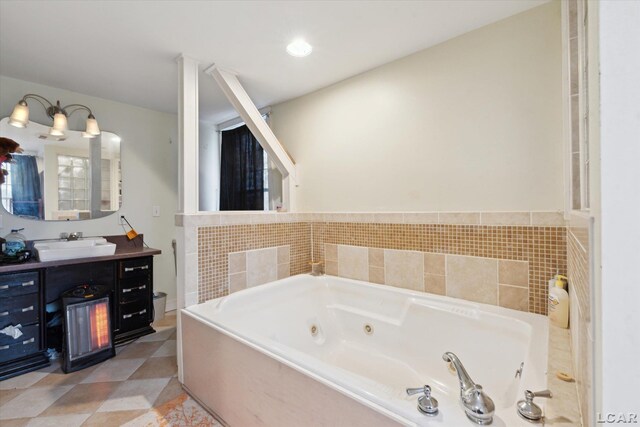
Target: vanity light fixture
[(20, 116), (299, 48)]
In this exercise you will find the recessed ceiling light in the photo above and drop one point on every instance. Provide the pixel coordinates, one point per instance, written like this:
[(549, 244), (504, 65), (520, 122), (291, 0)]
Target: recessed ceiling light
[(299, 48)]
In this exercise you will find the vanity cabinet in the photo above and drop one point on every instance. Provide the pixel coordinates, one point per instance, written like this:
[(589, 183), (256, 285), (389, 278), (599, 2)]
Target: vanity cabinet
[(21, 304), (134, 296), (24, 295)]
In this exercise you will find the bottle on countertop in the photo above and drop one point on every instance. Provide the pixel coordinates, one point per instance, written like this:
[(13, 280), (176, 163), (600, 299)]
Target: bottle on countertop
[(15, 242), (559, 303)]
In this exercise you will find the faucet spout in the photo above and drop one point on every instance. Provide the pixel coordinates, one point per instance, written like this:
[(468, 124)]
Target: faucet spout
[(466, 383), (478, 406)]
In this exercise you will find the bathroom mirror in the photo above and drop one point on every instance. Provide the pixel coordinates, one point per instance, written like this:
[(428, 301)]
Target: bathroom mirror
[(61, 178)]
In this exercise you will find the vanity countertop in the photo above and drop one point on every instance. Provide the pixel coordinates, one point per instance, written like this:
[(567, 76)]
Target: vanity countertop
[(121, 253)]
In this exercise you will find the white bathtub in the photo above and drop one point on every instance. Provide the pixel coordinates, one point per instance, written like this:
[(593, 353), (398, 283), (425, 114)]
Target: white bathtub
[(410, 331)]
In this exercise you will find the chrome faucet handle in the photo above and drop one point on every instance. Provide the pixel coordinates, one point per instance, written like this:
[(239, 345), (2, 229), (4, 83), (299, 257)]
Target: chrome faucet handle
[(529, 410), (427, 404)]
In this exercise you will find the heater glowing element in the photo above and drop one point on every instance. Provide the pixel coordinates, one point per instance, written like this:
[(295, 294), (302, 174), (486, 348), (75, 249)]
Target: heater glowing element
[(100, 326)]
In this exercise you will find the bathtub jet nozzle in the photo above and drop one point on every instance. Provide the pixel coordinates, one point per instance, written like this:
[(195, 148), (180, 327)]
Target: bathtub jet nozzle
[(478, 406)]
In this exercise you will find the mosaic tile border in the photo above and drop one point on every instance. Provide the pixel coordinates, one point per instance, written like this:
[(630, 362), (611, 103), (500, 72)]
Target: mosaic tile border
[(545, 248)]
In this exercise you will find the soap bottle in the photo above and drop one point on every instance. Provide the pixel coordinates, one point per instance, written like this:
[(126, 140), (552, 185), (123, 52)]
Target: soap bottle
[(559, 303), (15, 242)]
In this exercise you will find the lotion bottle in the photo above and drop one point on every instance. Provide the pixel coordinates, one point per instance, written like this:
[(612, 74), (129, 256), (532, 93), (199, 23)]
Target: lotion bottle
[(559, 304)]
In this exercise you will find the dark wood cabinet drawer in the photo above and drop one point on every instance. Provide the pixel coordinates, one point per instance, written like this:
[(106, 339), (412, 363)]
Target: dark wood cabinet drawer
[(22, 309), (135, 267), (28, 332), (23, 346), (134, 315), (134, 288), (18, 284)]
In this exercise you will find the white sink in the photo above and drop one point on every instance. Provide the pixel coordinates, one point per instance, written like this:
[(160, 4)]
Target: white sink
[(54, 250)]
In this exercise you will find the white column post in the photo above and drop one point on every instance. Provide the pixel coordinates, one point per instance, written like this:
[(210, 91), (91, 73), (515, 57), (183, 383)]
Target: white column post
[(188, 123)]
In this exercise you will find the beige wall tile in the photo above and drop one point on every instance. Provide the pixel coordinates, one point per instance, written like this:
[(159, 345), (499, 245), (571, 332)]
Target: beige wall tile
[(284, 254), (435, 284), (237, 262), (235, 218), (514, 297), (389, 218), (404, 269), (514, 273), (472, 278), (263, 218), (353, 262), (261, 266), (361, 217), (376, 257), (237, 282), (376, 275), (459, 217), (330, 252), (547, 219), (505, 218), (331, 268), (284, 271), (434, 263), (421, 217)]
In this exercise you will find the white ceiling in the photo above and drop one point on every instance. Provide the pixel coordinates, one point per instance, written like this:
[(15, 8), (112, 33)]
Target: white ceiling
[(126, 50)]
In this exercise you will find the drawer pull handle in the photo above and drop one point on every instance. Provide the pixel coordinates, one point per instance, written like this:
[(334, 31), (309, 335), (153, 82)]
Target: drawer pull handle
[(126, 316), (29, 341), (4, 347), (140, 267), (25, 284), (124, 291), (4, 313), (27, 309)]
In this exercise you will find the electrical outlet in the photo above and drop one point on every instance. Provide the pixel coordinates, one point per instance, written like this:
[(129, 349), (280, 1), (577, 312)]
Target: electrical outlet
[(156, 211)]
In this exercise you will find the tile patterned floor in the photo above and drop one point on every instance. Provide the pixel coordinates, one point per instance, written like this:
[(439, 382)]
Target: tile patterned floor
[(138, 387)]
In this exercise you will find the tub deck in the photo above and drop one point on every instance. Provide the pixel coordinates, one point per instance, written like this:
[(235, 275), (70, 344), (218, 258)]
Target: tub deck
[(264, 356)]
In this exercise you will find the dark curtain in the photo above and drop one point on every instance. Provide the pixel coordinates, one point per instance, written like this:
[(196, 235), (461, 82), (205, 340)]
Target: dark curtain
[(25, 187), (241, 171)]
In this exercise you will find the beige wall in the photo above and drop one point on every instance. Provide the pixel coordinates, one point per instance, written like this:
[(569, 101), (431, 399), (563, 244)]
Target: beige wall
[(474, 123), (149, 172)]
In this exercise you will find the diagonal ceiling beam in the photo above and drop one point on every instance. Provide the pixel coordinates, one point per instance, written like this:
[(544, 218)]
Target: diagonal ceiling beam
[(235, 93)]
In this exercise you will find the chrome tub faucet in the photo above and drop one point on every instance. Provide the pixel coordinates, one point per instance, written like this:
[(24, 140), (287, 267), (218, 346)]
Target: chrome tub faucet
[(478, 406)]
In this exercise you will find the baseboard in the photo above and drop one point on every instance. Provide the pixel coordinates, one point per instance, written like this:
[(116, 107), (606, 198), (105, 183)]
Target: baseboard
[(172, 304)]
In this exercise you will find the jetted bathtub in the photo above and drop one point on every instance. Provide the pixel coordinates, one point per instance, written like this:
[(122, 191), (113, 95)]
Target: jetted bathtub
[(308, 351)]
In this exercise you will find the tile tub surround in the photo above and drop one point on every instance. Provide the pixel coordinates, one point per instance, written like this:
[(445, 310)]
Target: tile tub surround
[(486, 280), (258, 266), (582, 334), (538, 238), (543, 248), (215, 243)]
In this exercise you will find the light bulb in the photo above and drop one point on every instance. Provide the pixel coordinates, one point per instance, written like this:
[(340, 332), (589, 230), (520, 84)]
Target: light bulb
[(20, 115), (59, 125), (92, 126)]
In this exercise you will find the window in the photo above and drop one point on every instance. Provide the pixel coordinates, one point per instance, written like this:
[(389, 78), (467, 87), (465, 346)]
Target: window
[(73, 183), (576, 12), (7, 193)]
